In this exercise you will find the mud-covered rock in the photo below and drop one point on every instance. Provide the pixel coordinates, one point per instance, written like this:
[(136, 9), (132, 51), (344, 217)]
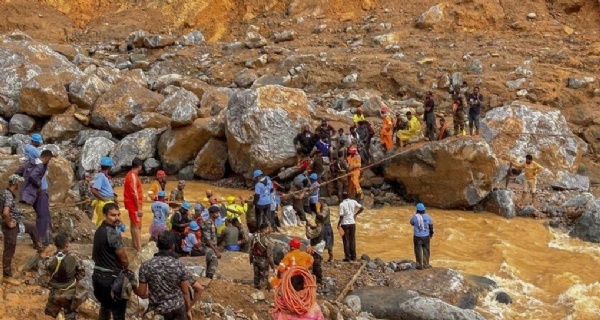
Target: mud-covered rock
[(74, 223), (210, 163), (245, 78), (45, 95), (587, 227), (60, 128), (253, 39), (177, 146), (85, 90), (452, 173), (261, 125), (141, 144), (500, 202), (151, 120)]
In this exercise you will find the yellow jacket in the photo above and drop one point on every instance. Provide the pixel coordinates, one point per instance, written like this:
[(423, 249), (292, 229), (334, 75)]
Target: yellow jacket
[(531, 170)]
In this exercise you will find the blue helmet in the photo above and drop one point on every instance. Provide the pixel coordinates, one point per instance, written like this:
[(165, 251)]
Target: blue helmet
[(186, 205), (106, 162), (36, 137), (162, 194), (198, 207), (257, 173), (313, 176), (420, 207), (194, 226)]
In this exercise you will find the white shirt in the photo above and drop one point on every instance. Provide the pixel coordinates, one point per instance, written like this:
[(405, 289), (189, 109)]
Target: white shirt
[(347, 211)]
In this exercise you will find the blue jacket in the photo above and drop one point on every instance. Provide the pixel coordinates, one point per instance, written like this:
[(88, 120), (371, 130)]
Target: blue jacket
[(33, 181)]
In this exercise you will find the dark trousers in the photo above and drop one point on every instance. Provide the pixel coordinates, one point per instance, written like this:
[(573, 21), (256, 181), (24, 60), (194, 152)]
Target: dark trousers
[(349, 240), (262, 213), (102, 282), (43, 221), (10, 244), (313, 208), (177, 314), (298, 205), (271, 218), (422, 250), (316, 267), (430, 125)]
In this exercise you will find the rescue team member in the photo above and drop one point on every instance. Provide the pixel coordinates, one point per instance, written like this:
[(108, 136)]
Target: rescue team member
[(475, 100), (177, 194), (304, 142), (160, 212), (235, 210), (314, 195), (12, 222), (179, 221), (159, 184), (327, 229), (532, 169), (358, 116), (102, 189), (261, 256), (430, 116), (354, 165), (317, 246), (192, 241), (414, 129), (60, 274), (385, 135), (262, 196), (294, 257), (325, 129), (423, 232), (444, 131), (347, 224), (133, 198), (209, 242)]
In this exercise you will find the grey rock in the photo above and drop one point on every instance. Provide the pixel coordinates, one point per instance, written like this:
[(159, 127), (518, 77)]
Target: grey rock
[(575, 83), (475, 66), (284, 36), (85, 135), (500, 202), (18, 142), (320, 28), (259, 62), (187, 173), (515, 84), (234, 46), (141, 144), (581, 200), (351, 78), (5, 143), (353, 302), (371, 265), (501, 173), (93, 150), (571, 181), (527, 211), (253, 39), (191, 39), (157, 41), (53, 148), (370, 101), (457, 78), (268, 80), (503, 297), (181, 106), (151, 166), (383, 302), (365, 257), (587, 227), (3, 126), (62, 127), (21, 123), (245, 78), (431, 18), (136, 39), (85, 90), (422, 308)]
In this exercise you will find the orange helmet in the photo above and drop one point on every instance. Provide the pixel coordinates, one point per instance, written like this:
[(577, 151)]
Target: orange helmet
[(352, 150), (160, 174), (295, 243)]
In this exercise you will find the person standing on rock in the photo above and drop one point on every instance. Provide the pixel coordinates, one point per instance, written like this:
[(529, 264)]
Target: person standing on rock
[(339, 168), (304, 142), (177, 194), (458, 111), (166, 282), (261, 257), (324, 129), (423, 232), (354, 165), (327, 229), (314, 195), (317, 246), (387, 128), (444, 130), (159, 184), (414, 129), (262, 196), (358, 116), (532, 170), (110, 259), (133, 198), (209, 242), (102, 189), (60, 274), (430, 116), (160, 212), (12, 224), (475, 100), (400, 125), (38, 180), (347, 224)]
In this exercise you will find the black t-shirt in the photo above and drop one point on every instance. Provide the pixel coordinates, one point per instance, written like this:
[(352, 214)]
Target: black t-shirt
[(106, 242), (475, 103), (429, 104)]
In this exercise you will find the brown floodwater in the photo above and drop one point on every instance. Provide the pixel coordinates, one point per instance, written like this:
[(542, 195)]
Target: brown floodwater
[(548, 275)]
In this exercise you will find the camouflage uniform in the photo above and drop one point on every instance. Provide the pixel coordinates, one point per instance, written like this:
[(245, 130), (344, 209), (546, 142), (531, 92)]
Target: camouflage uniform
[(458, 117), (176, 195), (85, 193), (261, 258), (209, 235), (244, 237), (61, 274)]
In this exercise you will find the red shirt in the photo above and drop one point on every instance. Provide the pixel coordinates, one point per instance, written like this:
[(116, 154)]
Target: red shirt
[(132, 190)]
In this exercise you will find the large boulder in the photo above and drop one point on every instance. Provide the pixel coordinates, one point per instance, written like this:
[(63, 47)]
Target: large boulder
[(261, 125), (60, 128), (20, 62), (44, 96), (84, 91), (452, 173), (178, 146), (369, 100), (93, 150), (519, 129), (74, 223), (423, 308), (85, 135), (151, 120), (210, 163), (500, 202), (141, 144), (21, 124), (445, 284), (181, 106), (383, 302), (115, 109), (570, 181), (213, 102), (587, 227)]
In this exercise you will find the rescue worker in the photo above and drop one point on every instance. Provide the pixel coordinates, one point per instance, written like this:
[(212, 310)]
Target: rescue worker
[(414, 129), (235, 210), (339, 168), (304, 142), (60, 274), (133, 198), (364, 143), (458, 111), (102, 189), (159, 184), (532, 170), (209, 242), (423, 232), (160, 212), (83, 188), (314, 192), (294, 257), (298, 194), (354, 165), (347, 225), (261, 256), (475, 100), (358, 116), (179, 221), (444, 130), (262, 196), (429, 116), (327, 229), (177, 194), (244, 235), (324, 129), (192, 241), (400, 125), (385, 135), (317, 247)]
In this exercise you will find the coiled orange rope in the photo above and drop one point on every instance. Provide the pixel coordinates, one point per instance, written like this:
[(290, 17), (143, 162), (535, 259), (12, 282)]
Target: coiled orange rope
[(290, 301)]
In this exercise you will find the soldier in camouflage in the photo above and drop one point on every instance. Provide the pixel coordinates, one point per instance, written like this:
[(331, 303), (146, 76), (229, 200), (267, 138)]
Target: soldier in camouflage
[(209, 242), (244, 237), (61, 274), (261, 257), (83, 187), (177, 194), (458, 112)]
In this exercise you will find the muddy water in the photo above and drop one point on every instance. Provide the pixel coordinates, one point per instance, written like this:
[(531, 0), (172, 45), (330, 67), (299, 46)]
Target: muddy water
[(548, 275)]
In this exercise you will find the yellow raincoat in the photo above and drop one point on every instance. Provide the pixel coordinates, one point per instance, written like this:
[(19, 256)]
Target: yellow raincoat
[(414, 129)]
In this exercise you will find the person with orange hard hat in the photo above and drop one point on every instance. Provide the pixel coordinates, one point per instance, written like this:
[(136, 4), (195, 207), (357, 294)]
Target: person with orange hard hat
[(354, 165), (159, 184), (386, 138)]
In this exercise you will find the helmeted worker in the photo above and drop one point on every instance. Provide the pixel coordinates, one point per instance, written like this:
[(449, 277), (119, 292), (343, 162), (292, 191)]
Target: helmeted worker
[(385, 135), (235, 210), (414, 129), (261, 256), (159, 184), (294, 257), (102, 189), (354, 165)]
